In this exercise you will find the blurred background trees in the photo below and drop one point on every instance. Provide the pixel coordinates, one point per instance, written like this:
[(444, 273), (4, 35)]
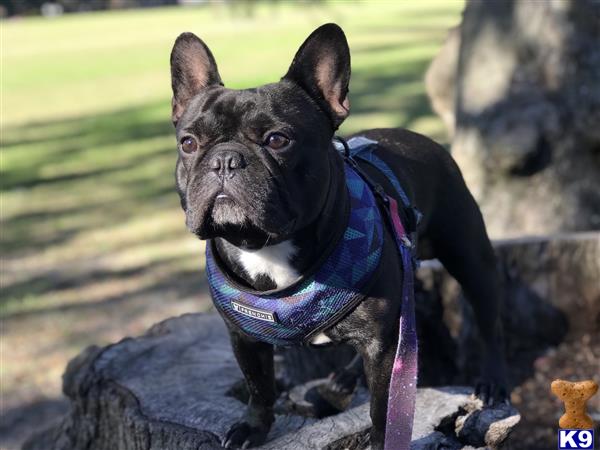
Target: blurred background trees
[(34, 7), (50, 8), (518, 87)]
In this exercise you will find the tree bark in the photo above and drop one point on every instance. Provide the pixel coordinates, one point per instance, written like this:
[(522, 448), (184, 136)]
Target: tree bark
[(518, 86), (171, 390)]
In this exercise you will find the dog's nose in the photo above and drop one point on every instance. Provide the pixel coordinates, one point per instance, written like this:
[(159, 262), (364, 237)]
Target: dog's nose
[(226, 162)]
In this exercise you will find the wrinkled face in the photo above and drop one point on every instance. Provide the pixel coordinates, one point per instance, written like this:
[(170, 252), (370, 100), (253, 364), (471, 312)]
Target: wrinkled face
[(254, 165), (250, 165)]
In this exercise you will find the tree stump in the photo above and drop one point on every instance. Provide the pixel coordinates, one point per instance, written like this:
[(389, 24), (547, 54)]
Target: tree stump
[(171, 389), (178, 386), (518, 87)]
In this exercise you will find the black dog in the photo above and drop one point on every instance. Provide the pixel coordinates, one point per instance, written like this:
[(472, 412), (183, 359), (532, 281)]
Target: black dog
[(258, 174)]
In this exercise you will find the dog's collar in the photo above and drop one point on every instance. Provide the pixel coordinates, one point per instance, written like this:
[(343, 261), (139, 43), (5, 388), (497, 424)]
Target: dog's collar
[(294, 314)]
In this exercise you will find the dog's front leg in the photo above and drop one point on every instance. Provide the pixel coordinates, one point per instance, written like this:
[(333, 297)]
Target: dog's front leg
[(256, 361)]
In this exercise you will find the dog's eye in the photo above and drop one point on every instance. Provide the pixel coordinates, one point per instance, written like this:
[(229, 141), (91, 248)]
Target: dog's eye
[(277, 141), (189, 144)]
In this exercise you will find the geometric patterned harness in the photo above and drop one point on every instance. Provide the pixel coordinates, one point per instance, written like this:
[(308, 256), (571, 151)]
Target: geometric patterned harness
[(315, 302), (318, 300)]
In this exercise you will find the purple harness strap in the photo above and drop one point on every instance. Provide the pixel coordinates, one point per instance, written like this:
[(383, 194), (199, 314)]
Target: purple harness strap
[(403, 382), (402, 391)]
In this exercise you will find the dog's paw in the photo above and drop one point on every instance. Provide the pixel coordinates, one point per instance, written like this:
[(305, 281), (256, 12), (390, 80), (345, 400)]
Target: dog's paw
[(492, 392), (342, 382), (492, 385), (334, 395), (243, 435)]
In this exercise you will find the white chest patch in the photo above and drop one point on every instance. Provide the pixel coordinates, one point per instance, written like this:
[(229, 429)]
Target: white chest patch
[(320, 339), (272, 261)]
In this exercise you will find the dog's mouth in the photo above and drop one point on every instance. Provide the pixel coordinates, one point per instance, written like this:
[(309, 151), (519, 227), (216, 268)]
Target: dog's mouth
[(222, 216), (239, 215), (225, 210)]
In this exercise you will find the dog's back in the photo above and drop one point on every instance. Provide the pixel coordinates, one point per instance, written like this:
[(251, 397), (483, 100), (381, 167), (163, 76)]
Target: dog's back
[(432, 181)]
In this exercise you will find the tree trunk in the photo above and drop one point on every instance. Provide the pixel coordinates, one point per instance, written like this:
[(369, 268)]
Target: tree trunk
[(518, 86), (178, 386)]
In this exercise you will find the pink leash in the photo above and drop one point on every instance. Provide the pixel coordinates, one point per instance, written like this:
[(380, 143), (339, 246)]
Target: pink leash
[(403, 383)]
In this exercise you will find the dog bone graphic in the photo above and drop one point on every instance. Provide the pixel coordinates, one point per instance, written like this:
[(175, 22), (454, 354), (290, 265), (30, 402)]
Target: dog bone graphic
[(575, 396)]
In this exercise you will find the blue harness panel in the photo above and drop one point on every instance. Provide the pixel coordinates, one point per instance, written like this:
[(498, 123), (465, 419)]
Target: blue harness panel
[(292, 315), (362, 148)]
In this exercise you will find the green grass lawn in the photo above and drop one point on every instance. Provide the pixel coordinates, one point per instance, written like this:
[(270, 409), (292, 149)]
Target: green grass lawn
[(93, 242)]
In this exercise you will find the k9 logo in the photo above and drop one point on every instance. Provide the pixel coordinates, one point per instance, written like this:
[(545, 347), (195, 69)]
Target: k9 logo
[(575, 439)]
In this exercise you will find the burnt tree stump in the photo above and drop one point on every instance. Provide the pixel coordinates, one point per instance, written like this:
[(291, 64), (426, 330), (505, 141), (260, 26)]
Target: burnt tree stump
[(178, 386)]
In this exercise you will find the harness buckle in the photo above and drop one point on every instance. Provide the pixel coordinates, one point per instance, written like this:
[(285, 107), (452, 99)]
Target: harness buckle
[(406, 241), (380, 193)]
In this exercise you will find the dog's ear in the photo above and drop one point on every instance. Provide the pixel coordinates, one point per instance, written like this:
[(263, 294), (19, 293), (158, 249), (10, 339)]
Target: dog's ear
[(322, 68), (193, 68)]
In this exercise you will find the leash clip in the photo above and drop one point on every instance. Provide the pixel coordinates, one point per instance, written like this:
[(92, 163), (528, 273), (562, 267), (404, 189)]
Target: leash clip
[(406, 241)]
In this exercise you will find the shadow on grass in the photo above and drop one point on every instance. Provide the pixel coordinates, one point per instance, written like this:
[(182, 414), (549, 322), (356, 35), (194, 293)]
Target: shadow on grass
[(102, 128), (111, 167), (59, 280), (22, 233), (182, 284), (378, 93), (67, 140)]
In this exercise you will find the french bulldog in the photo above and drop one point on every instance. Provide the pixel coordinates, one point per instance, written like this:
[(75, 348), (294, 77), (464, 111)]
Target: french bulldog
[(258, 174)]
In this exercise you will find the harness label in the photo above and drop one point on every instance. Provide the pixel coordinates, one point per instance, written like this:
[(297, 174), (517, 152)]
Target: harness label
[(255, 313)]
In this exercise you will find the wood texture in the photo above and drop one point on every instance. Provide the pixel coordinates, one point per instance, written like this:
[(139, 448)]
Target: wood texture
[(169, 389)]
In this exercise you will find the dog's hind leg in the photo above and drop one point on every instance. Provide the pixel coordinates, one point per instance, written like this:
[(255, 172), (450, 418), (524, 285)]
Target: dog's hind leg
[(461, 243), (344, 380), (336, 394)]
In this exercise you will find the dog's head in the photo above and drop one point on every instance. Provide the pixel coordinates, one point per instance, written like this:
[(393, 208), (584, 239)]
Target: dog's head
[(254, 164)]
